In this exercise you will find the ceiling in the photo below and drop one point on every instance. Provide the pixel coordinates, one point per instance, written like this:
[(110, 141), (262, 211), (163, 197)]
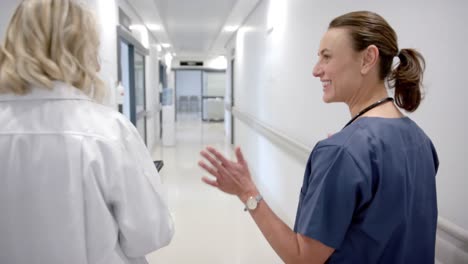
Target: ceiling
[(195, 29)]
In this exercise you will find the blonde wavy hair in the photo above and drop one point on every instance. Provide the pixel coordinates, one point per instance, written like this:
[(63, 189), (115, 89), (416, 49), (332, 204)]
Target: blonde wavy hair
[(51, 40)]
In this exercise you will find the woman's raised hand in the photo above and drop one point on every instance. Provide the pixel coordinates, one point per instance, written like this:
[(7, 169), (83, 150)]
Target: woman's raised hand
[(229, 176)]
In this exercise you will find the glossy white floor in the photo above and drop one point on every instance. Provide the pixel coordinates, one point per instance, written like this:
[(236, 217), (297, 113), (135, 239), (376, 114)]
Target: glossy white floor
[(211, 227)]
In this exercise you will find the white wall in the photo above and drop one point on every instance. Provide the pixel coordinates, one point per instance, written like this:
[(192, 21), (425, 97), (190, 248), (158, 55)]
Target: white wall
[(7, 8), (106, 14), (130, 12), (228, 102), (274, 83)]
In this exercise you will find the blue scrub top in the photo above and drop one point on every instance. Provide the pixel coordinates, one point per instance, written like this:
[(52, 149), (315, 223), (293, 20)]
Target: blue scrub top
[(369, 192)]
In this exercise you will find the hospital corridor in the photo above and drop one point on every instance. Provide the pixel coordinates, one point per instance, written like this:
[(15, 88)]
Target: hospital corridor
[(217, 231), (233, 132)]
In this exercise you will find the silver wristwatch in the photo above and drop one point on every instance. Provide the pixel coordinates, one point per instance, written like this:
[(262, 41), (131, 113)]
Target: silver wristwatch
[(252, 202)]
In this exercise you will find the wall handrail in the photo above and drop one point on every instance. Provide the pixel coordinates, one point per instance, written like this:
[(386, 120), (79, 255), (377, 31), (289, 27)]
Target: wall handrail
[(296, 148), (452, 229)]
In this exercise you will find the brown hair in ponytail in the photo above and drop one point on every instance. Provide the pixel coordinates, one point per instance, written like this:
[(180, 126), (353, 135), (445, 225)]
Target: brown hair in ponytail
[(407, 79), (368, 28)]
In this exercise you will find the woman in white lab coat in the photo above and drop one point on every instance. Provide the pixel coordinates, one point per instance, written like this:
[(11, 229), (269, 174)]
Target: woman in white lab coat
[(77, 184)]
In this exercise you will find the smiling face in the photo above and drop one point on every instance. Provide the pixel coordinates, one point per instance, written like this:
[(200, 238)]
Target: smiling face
[(339, 66)]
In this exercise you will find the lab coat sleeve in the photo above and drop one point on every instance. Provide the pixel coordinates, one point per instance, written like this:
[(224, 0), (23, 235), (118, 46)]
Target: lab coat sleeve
[(138, 203)]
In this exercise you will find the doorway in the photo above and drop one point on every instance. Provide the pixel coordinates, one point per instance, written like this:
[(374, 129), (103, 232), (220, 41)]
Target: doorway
[(132, 79)]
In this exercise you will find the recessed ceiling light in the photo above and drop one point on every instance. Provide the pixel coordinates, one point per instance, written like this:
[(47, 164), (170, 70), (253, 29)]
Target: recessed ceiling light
[(136, 26), (154, 27), (230, 28)]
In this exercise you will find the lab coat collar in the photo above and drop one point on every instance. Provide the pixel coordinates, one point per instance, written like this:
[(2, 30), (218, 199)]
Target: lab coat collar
[(60, 91)]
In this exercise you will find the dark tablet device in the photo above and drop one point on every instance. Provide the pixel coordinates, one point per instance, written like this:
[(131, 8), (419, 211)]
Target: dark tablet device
[(159, 164)]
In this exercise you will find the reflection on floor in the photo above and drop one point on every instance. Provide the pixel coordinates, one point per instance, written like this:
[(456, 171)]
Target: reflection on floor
[(211, 227)]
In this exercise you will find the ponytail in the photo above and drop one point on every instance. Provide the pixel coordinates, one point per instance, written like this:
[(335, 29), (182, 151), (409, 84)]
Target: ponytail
[(407, 78)]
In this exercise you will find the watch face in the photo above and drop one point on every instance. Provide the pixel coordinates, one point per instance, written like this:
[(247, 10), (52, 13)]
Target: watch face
[(251, 203)]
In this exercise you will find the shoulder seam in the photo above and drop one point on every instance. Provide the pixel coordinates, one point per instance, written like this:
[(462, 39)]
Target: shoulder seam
[(343, 149)]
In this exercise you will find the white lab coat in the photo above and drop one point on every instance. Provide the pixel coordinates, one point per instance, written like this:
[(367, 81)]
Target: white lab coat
[(77, 184)]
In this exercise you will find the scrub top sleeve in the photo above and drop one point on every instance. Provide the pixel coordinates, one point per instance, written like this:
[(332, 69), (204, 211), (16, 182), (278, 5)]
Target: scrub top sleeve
[(141, 212), (328, 202)]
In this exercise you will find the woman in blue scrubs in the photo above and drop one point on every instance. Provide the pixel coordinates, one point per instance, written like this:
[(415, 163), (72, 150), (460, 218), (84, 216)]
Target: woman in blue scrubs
[(369, 192)]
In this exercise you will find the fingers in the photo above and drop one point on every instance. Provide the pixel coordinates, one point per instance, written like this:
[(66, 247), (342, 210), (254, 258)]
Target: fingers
[(209, 169), (208, 181), (214, 163), (209, 158), (240, 157), (219, 156), (231, 177)]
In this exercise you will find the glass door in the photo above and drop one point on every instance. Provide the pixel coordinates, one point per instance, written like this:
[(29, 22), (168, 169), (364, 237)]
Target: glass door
[(214, 88), (132, 90), (123, 94)]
